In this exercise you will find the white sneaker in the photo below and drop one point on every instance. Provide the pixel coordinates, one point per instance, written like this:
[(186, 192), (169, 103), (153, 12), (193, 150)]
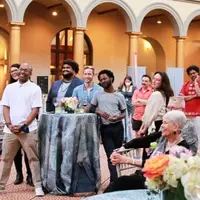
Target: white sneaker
[(39, 192)]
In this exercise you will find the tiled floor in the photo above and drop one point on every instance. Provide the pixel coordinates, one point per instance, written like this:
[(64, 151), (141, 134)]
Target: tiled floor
[(24, 192)]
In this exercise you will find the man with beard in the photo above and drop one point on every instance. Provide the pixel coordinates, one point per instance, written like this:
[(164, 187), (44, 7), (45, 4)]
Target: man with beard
[(65, 87), (110, 105), (191, 92), (85, 92), (139, 100)]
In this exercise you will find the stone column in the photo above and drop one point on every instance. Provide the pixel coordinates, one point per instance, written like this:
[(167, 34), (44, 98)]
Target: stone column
[(15, 43), (133, 47), (79, 48), (180, 51)]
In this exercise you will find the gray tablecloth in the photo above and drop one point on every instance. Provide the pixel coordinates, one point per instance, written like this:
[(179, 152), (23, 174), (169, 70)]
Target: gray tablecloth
[(127, 195), (69, 153)]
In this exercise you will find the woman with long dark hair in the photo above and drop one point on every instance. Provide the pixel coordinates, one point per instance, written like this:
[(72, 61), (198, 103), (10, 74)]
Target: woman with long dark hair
[(14, 75), (157, 104)]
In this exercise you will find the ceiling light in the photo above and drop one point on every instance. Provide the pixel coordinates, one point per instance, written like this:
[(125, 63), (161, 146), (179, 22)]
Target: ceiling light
[(159, 22), (1, 6), (54, 13), (147, 45)]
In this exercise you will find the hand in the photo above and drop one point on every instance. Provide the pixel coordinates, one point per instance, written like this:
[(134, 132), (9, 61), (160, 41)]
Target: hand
[(197, 80), (113, 118), (105, 115), (117, 158), (14, 129), (102, 114)]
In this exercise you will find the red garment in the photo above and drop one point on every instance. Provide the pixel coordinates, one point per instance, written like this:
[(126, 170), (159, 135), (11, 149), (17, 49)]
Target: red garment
[(140, 94), (192, 107)]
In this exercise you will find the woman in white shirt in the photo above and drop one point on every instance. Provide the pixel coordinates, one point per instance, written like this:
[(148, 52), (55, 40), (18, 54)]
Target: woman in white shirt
[(157, 103)]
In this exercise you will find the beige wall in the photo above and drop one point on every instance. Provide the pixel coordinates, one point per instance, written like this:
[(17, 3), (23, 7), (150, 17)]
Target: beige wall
[(4, 42), (37, 35), (192, 46), (110, 43), (107, 34)]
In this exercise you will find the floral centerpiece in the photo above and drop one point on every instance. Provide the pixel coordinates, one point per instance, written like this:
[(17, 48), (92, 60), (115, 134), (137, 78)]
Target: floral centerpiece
[(176, 174), (69, 104)]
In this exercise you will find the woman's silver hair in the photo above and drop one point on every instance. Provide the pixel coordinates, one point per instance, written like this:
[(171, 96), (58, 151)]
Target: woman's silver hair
[(177, 117)]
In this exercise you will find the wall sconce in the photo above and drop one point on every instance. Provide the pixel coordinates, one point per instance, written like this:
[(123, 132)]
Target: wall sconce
[(147, 45)]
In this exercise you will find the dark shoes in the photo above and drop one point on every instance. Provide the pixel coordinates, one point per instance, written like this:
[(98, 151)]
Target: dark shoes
[(19, 179), (29, 181)]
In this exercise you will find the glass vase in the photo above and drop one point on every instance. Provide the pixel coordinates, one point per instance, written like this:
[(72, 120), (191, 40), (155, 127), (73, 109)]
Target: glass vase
[(175, 193)]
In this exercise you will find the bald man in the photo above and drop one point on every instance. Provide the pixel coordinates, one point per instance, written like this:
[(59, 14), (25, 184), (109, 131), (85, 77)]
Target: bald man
[(21, 103)]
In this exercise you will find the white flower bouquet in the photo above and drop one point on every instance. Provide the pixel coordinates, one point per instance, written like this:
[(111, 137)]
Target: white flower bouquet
[(177, 174), (69, 104)]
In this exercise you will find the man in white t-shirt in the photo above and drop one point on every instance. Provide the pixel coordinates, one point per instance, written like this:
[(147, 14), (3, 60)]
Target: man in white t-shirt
[(21, 103)]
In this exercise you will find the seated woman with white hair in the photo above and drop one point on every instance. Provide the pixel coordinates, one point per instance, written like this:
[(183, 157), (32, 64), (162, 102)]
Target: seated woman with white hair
[(173, 123), (188, 132)]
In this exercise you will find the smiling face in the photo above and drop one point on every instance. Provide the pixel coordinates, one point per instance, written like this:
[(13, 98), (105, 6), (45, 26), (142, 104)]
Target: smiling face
[(168, 128), (193, 74), (146, 82), (67, 71), (14, 72), (157, 81), (25, 72), (88, 75)]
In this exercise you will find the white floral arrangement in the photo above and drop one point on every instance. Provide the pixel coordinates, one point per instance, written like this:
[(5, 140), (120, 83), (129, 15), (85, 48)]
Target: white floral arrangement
[(69, 104), (178, 174)]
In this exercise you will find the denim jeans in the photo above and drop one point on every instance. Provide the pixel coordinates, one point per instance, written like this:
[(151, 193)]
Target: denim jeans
[(112, 138)]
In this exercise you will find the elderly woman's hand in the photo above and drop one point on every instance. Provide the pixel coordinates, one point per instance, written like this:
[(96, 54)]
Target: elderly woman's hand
[(117, 158)]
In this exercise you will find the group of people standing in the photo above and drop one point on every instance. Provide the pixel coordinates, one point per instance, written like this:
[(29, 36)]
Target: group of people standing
[(141, 107)]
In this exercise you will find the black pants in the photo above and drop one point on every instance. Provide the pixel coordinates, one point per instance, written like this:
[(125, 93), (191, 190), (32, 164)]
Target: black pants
[(133, 182), (18, 163), (112, 138)]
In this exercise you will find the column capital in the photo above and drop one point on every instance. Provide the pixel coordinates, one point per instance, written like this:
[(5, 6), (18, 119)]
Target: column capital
[(17, 23), (180, 37), (134, 33), (79, 29)]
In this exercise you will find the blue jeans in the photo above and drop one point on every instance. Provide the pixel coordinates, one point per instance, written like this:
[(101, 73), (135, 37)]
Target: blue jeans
[(112, 138)]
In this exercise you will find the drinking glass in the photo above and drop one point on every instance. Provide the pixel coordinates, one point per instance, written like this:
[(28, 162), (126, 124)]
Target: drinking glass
[(56, 103)]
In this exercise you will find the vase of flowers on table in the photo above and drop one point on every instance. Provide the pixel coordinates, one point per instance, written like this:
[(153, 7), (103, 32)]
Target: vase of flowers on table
[(69, 104), (177, 175)]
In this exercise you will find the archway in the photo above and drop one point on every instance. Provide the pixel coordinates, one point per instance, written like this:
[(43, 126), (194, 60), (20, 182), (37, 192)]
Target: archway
[(62, 48), (161, 26), (172, 15), (44, 19), (152, 55), (4, 41), (70, 5), (107, 23), (111, 5), (192, 43)]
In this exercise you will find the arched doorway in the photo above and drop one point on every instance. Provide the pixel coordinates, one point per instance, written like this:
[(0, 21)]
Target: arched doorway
[(107, 24), (192, 43), (151, 55), (62, 48), (159, 27)]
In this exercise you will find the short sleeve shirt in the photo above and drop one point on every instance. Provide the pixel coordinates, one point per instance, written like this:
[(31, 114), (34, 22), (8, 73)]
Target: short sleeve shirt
[(111, 103), (192, 107), (21, 99)]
